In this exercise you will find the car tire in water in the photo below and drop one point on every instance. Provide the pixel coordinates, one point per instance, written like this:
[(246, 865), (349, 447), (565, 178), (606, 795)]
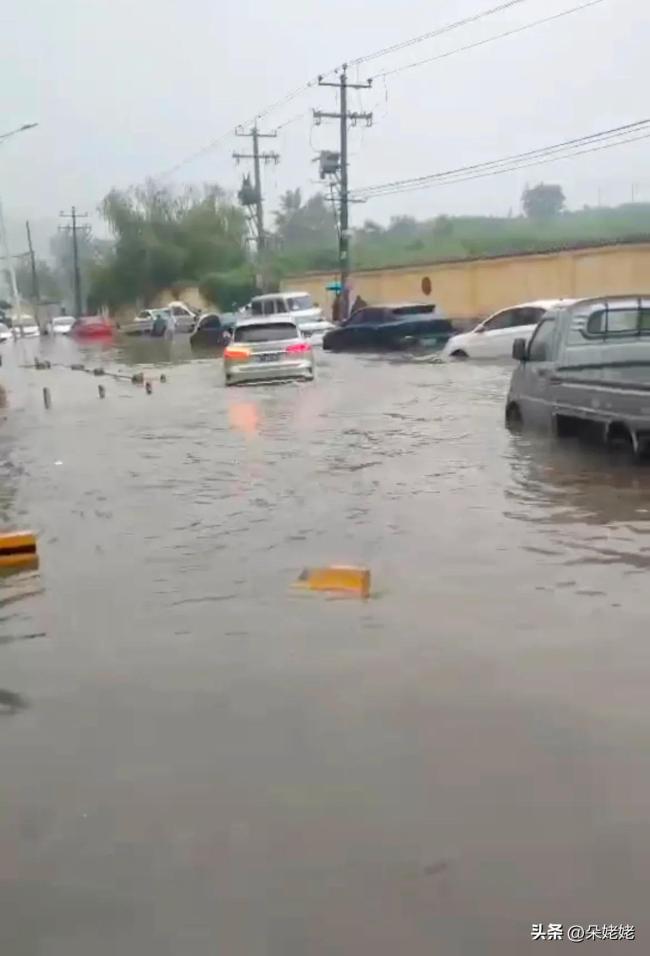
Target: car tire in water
[(514, 421), (459, 354)]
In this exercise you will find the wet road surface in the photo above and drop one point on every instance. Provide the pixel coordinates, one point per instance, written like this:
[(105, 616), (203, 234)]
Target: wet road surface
[(195, 760)]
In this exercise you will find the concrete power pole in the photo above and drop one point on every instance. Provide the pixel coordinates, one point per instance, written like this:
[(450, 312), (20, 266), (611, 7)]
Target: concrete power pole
[(36, 292), (256, 198), (74, 216), (344, 118)]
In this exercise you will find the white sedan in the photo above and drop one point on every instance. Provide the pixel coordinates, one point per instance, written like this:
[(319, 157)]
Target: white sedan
[(61, 324), (493, 338)]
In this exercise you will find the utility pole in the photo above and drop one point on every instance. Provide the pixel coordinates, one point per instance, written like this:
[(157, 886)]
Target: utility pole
[(36, 293), (252, 195), (344, 118), (74, 216)]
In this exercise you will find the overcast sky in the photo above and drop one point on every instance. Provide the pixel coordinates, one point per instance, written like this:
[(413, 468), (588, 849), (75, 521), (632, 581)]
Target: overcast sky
[(124, 90)]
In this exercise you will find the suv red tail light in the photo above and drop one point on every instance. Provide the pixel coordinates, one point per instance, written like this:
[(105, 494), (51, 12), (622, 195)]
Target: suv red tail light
[(298, 348)]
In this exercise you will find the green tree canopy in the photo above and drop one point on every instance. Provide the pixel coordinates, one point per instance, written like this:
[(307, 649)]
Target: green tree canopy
[(165, 238), (309, 225), (543, 201)]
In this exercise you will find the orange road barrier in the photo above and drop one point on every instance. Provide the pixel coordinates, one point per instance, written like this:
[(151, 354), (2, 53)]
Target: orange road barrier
[(336, 578), (17, 548)]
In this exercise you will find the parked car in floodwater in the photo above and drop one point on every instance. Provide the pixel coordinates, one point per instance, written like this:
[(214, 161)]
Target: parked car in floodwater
[(493, 337), (390, 327), (25, 326), (267, 349), (143, 322), (587, 370), (299, 305), (183, 317), (62, 324), (209, 331)]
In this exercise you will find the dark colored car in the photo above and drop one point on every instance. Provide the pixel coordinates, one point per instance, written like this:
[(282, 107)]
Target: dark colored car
[(390, 327), (209, 331)]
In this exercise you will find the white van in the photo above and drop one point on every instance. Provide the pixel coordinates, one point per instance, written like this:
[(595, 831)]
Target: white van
[(299, 305)]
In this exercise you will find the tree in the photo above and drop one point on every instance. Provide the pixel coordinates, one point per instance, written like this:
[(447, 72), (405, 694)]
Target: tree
[(164, 238), (309, 225), (48, 284), (543, 201)]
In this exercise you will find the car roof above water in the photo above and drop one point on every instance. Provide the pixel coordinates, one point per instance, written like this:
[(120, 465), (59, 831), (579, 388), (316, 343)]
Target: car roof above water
[(283, 319), (277, 295), (596, 302)]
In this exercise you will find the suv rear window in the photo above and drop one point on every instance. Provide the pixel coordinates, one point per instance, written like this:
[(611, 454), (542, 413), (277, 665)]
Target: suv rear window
[(269, 332), (424, 310)]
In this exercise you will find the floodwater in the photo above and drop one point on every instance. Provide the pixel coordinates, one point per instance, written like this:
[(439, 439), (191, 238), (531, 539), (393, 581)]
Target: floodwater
[(196, 759)]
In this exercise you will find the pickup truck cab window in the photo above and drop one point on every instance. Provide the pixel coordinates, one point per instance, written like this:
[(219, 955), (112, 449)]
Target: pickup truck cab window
[(539, 349), (618, 323)]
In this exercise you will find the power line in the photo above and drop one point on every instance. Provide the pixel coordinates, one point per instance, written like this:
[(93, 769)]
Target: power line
[(298, 91), (484, 42), (439, 31), (591, 143)]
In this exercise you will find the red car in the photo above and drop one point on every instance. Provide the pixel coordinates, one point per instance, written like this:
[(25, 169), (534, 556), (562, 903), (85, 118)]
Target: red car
[(92, 327)]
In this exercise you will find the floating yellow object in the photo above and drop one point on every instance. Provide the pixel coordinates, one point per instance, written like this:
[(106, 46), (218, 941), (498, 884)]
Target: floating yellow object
[(338, 577), (17, 548)]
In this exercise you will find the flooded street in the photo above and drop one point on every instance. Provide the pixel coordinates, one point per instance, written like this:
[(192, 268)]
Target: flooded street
[(197, 759)]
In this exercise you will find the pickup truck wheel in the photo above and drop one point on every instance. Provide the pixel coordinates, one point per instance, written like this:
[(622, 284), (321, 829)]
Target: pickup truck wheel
[(514, 420), (459, 354), (621, 438)]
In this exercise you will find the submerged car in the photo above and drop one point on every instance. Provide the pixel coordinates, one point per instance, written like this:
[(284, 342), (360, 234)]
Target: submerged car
[(210, 331), (586, 370), (299, 305), (390, 327), (267, 349), (92, 327), (24, 326), (493, 337), (182, 316), (62, 324), (143, 322)]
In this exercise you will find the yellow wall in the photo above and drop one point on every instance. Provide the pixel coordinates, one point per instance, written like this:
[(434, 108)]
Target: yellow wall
[(470, 290)]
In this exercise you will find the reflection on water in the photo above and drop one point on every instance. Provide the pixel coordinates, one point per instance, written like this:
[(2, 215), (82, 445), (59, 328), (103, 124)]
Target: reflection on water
[(211, 764)]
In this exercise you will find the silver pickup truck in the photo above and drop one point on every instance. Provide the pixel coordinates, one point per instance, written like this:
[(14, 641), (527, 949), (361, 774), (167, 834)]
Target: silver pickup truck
[(586, 369)]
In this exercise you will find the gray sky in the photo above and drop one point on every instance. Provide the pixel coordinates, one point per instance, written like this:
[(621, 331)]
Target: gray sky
[(125, 90)]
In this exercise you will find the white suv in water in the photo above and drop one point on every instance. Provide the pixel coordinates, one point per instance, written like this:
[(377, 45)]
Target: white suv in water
[(493, 338)]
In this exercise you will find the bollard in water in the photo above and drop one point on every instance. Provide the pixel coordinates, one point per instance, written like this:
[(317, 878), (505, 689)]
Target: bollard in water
[(47, 398), (0, 360), (148, 388), (138, 378), (101, 391), (163, 379)]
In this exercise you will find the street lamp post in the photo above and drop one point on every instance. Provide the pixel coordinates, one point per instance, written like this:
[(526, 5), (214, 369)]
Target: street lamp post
[(15, 295)]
